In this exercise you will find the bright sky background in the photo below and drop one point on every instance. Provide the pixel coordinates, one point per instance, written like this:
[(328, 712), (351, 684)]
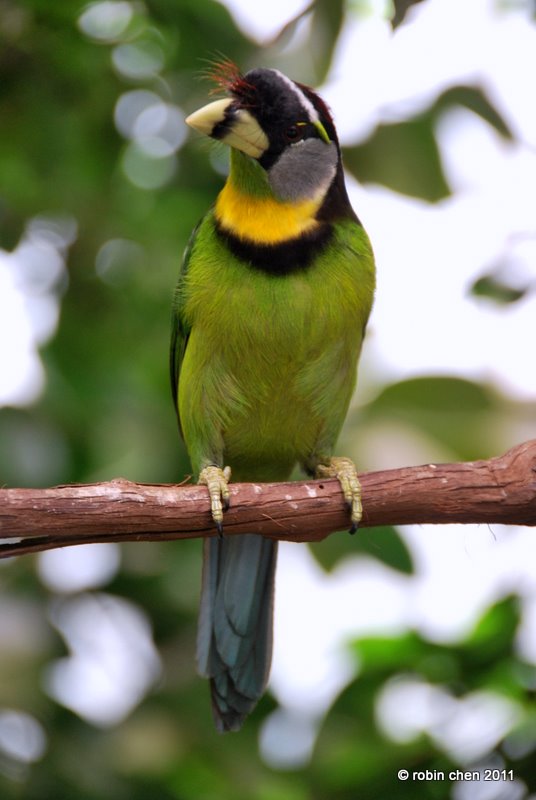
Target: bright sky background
[(423, 322)]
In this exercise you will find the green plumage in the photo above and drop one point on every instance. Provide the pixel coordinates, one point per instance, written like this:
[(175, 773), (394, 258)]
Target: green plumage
[(263, 367), (270, 364)]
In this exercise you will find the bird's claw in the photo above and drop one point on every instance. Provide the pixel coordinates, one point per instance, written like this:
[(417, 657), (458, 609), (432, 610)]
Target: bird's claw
[(345, 471), (216, 480)]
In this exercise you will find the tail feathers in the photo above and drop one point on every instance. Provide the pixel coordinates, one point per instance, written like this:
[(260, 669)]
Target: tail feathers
[(234, 645)]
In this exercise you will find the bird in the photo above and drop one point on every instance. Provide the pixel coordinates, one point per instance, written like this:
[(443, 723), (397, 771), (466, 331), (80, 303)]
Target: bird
[(269, 314)]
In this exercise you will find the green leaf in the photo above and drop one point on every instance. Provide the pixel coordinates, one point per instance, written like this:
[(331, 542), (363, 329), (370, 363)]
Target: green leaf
[(494, 634), (408, 652), (474, 99), (443, 394), (501, 292), (383, 543), (401, 8), (455, 412), (403, 156), (386, 654)]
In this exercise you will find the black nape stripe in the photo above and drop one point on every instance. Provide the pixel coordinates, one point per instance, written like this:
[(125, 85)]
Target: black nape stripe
[(285, 258)]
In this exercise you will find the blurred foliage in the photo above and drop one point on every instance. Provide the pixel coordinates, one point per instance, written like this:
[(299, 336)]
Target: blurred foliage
[(507, 280), (382, 543), (405, 157), (486, 660), (401, 9), (326, 18), (107, 411), (497, 290), (457, 413)]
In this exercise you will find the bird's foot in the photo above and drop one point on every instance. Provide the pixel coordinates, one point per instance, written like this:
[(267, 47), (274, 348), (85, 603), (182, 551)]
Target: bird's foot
[(345, 471), (217, 480)]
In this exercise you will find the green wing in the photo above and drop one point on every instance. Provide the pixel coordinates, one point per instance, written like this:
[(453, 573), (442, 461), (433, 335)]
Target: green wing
[(180, 329)]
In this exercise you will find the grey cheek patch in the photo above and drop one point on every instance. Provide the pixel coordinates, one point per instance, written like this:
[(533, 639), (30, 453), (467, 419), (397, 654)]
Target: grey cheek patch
[(303, 169)]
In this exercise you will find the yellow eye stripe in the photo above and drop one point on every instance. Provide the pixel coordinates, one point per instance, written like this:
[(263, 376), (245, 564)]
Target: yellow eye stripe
[(319, 127), (322, 131)]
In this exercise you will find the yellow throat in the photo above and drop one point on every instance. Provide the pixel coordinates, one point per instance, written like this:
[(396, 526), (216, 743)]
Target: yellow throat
[(264, 220)]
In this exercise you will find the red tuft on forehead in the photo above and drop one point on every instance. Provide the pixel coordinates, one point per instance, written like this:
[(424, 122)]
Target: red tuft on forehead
[(227, 77)]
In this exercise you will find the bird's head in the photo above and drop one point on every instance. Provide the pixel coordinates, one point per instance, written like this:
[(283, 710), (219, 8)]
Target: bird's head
[(283, 125)]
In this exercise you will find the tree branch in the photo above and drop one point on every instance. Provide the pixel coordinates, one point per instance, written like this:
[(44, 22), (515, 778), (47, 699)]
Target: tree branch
[(500, 490)]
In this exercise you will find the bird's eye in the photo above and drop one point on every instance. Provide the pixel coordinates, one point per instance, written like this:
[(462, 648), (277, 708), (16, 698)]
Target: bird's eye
[(294, 133)]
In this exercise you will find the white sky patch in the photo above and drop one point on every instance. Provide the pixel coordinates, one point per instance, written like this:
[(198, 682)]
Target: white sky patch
[(112, 663), (428, 256), (383, 70), (315, 616), (74, 569), (466, 728), (315, 613), (22, 376), (22, 737), (31, 278), (263, 21), (106, 21)]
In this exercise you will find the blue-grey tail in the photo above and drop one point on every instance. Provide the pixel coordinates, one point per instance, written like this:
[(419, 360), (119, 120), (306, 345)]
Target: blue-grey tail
[(234, 639)]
